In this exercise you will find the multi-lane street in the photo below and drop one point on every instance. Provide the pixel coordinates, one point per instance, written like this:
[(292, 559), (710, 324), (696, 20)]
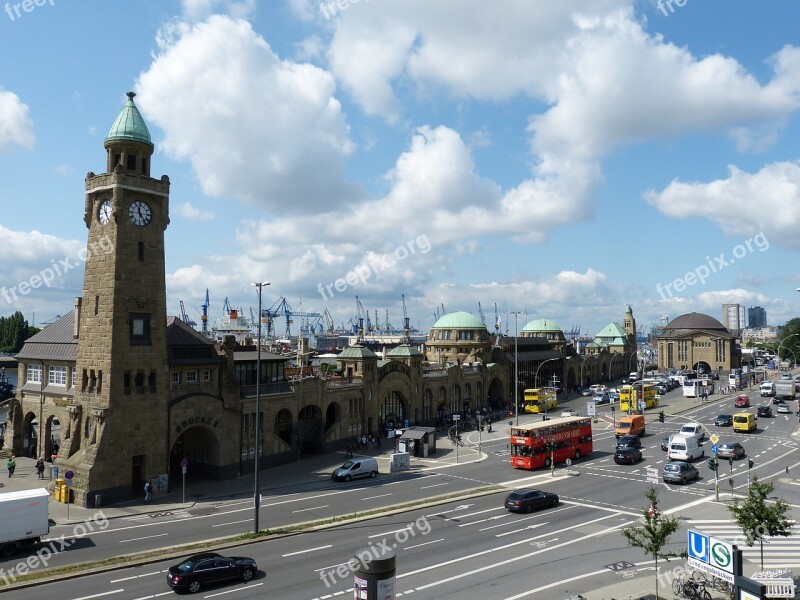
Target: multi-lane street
[(469, 546)]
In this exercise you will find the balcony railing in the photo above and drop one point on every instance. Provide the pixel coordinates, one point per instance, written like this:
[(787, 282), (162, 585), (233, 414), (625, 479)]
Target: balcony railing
[(278, 387), (343, 381)]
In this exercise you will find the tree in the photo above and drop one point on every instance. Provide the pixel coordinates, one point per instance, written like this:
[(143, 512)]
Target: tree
[(758, 518), (654, 534)]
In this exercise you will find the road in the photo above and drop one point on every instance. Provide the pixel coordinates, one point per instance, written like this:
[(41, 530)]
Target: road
[(466, 547)]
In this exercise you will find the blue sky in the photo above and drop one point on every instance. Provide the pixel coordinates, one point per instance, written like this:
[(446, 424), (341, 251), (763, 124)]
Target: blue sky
[(563, 157)]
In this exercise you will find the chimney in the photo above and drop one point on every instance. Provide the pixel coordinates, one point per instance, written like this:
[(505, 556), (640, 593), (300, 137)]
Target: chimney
[(76, 319)]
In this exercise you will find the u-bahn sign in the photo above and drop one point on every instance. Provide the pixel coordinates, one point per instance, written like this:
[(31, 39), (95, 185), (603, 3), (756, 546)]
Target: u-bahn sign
[(712, 555)]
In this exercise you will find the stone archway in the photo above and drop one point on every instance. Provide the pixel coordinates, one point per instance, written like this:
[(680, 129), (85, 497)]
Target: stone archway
[(284, 426), (199, 445), (392, 412), (497, 395), (30, 435), (308, 438), (701, 367)]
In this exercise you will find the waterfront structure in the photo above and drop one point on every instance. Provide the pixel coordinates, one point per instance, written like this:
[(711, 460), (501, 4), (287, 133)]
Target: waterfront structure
[(137, 393), (697, 342)]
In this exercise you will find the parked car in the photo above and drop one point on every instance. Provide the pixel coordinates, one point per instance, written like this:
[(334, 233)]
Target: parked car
[(730, 450), (764, 410), (679, 472), (629, 441), (784, 409), (201, 570), (627, 456), (569, 412), (742, 401), (723, 420), (526, 500), (661, 388), (586, 392)]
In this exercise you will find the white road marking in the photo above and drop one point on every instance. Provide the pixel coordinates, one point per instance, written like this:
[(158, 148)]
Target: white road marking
[(143, 538), (307, 550)]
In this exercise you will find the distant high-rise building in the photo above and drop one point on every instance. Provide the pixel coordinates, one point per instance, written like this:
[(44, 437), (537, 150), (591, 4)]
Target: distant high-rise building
[(756, 317), (733, 317)]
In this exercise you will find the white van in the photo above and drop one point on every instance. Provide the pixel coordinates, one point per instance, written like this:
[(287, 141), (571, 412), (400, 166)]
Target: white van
[(358, 466), (767, 388), (684, 448)]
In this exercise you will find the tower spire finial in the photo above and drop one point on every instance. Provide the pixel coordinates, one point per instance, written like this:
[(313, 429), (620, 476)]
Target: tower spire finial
[(131, 95)]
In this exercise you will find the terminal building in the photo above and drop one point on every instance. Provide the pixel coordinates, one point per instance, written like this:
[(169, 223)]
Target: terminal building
[(135, 392)]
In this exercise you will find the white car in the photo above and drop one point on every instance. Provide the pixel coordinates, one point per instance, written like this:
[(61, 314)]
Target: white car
[(569, 412), (695, 430)]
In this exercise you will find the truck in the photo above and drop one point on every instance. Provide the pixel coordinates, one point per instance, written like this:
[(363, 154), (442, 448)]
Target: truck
[(785, 390), (24, 519)]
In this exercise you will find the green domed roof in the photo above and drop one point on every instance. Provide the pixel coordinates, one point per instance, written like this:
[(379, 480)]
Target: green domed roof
[(541, 325), (129, 125), (357, 351), (404, 350), (459, 320)]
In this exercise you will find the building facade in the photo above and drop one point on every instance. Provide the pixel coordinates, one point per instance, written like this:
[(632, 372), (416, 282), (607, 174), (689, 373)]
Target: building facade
[(136, 393), (756, 317), (733, 317), (697, 342)]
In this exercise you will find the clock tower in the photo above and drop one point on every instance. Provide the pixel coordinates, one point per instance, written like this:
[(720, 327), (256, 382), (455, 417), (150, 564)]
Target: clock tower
[(116, 438)]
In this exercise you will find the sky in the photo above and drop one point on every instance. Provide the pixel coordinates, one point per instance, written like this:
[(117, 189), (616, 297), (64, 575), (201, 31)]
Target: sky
[(559, 159)]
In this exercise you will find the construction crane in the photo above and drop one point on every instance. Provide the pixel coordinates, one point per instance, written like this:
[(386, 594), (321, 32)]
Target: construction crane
[(185, 318), (480, 312), (406, 326), (328, 321), (282, 308), (359, 323), (204, 315)]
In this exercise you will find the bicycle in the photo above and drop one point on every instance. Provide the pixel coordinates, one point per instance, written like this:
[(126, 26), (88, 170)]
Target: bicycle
[(690, 588), (724, 586)]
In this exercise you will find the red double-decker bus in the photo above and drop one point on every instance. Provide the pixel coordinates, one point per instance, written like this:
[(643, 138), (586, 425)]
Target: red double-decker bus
[(555, 440)]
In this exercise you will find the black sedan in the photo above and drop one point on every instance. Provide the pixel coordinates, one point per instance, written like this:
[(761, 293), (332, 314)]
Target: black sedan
[(629, 441), (764, 410), (527, 500), (724, 421), (627, 456), (209, 568), (665, 441)]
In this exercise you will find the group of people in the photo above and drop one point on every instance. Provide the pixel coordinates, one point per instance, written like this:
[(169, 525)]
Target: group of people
[(363, 442)]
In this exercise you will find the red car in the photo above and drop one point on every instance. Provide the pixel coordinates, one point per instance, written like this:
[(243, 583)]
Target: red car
[(742, 401)]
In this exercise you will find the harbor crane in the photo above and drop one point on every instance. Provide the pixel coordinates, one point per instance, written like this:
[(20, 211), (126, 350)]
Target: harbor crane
[(480, 312)]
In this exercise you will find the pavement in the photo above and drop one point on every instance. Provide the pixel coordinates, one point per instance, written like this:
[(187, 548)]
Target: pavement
[(315, 468)]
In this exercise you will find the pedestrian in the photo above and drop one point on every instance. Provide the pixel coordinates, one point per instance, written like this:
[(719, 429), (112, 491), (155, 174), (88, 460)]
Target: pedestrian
[(40, 467), (148, 492), (12, 465), (378, 442), (349, 453)]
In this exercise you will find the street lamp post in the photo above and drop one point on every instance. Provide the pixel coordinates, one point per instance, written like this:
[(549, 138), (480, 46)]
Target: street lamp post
[(611, 367), (536, 377), (786, 339), (516, 314), (256, 492)]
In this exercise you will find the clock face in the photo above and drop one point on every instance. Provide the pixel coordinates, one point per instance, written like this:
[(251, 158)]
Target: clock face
[(104, 212), (139, 213)]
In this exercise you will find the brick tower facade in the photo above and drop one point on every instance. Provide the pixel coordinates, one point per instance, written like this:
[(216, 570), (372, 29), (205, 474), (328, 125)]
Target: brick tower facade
[(116, 437)]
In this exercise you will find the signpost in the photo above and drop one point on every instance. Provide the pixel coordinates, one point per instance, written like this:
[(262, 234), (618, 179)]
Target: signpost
[(456, 418), (712, 555), (184, 465), (68, 476), (715, 450)]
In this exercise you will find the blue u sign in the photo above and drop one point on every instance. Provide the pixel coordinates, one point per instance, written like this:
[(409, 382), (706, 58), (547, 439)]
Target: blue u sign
[(698, 546)]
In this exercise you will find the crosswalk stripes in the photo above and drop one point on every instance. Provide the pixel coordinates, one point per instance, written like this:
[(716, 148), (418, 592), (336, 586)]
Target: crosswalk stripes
[(779, 552)]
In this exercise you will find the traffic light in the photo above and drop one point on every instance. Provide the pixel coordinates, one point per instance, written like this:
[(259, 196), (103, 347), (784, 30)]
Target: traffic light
[(713, 464), (661, 416), (750, 463)]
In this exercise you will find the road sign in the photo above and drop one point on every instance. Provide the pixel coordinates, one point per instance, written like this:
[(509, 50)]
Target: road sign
[(714, 448), (714, 438), (590, 409), (569, 462), (69, 475), (456, 417), (184, 463), (711, 555), (642, 405)]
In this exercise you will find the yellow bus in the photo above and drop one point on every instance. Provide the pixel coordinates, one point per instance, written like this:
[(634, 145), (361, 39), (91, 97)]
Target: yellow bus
[(631, 395), (539, 400)]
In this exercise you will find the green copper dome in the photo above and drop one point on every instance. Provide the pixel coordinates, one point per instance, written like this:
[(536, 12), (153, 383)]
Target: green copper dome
[(129, 125), (459, 320), (541, 325)]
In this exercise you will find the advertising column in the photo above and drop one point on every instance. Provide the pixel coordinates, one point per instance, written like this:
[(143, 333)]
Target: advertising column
[(374, 576)]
